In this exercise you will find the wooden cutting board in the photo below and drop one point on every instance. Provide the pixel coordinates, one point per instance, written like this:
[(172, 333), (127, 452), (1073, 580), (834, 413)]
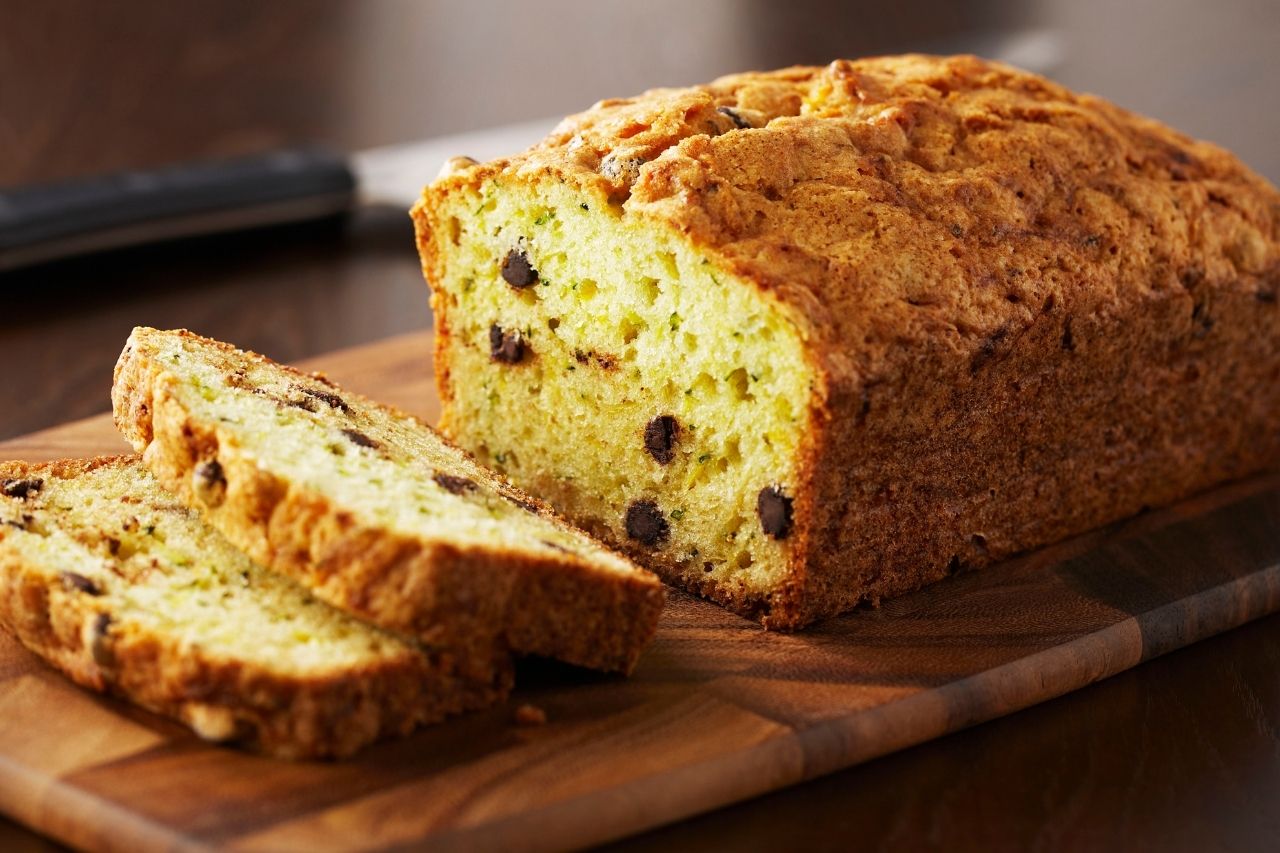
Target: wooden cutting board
[(718, 710)]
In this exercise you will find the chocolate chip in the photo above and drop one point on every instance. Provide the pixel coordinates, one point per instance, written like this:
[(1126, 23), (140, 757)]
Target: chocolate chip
[(80, 583), (209, 482), (987, 349), (660, 438), (455, 485), (506, 347), (359, 438), (330, 399), (957, 231), (1068, 340), (302, 403), (774, 509), (645, 523), (21, 488), (1200, 316), (740, 122), (526, 505), (1266, 296), (517, 271), (100, 645)]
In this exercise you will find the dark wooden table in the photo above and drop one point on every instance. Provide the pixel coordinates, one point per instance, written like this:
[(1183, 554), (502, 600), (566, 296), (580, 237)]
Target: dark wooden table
[(1182, 753)]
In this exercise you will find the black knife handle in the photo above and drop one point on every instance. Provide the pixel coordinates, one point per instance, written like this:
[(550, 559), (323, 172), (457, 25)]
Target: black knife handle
[(41, 223)]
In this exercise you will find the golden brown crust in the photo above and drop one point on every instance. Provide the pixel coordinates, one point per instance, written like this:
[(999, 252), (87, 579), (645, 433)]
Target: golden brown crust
[(1030, 311), (222, 699), (475, 603)]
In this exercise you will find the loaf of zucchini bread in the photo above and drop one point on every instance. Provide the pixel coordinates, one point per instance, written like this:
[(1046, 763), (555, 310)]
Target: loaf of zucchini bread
[(375, 513), (105, 575), (805, 339)]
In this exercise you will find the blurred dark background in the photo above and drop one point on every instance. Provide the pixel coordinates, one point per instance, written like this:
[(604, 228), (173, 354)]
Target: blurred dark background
[(89, 87)]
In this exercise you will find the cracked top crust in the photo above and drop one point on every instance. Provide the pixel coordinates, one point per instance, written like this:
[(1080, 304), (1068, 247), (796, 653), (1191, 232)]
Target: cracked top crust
[(916, 201)]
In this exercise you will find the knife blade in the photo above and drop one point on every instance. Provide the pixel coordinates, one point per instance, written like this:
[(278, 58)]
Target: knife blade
[(47, 222)]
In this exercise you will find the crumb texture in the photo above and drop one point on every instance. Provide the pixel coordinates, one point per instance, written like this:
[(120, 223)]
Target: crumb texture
[(104, 574), (373, 511)]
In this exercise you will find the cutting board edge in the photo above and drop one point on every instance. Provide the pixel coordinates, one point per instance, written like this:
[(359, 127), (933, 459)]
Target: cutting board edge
[(1120, 636)]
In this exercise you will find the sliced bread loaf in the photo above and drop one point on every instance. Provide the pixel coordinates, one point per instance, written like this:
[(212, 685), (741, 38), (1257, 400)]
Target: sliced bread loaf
[(110, 579), (373, 511), (809, 338)]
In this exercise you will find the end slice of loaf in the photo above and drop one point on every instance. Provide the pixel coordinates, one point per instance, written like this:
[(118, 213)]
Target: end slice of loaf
[(106, 576), (373, 511)]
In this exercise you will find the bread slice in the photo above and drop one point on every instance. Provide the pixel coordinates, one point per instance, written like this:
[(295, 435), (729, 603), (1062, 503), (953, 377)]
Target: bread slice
[(111, 580), (373, 511), (803, 339)]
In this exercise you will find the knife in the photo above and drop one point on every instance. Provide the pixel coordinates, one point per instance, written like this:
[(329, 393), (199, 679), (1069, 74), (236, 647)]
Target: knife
[(48, 222)]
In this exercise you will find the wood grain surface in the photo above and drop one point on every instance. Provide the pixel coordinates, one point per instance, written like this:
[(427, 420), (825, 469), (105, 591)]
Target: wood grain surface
[(717, 712)]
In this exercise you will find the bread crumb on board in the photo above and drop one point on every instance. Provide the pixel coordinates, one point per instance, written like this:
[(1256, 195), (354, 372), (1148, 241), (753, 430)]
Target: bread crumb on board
[(530, 715)]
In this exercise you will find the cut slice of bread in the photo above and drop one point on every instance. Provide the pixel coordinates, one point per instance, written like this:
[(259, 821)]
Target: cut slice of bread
[(373, 511), (106, 576)]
